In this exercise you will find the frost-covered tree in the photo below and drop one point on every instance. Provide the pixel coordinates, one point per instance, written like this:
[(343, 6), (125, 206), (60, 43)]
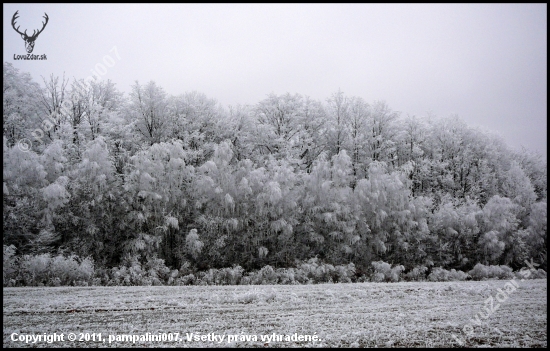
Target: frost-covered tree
[(538, 228), (157, 187), (21, 104), (359, 114), (517, 187), (103, 99), (455, 229), (535, 167), (54, 104), (337, 123), (384, 206), (238, 128), (196, 120), (23, 178), (280, 126), (183, 181), (410, 144), (382, 133), (149, 108), (500, 220)]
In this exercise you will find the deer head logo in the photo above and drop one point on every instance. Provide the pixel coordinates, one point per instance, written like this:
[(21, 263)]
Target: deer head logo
[(29, 40)]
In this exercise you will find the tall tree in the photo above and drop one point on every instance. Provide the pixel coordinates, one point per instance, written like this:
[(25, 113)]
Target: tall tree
[(280, 126), (149, 108), (195, 119), (55, 94), (382, 133), (104, 99), (21, 99), (359, 113), (338, 115)]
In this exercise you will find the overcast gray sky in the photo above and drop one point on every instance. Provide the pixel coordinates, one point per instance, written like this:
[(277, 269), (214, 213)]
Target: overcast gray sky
[(487, 63)]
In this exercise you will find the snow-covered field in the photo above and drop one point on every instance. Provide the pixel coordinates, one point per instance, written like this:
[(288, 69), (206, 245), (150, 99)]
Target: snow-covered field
[(338, 315)]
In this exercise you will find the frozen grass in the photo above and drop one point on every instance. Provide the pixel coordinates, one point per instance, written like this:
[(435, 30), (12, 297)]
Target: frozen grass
[(403, 314)]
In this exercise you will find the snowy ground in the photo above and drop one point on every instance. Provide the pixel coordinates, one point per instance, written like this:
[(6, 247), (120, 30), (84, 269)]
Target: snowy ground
[(337, 315)]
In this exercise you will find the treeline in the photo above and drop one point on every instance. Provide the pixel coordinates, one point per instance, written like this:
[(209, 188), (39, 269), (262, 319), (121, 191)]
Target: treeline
[(46, 270), (186, 181)]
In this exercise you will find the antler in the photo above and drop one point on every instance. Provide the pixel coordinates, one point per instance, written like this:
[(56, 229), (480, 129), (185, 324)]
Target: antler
[(43, 26), (34, 33), (13, 23)]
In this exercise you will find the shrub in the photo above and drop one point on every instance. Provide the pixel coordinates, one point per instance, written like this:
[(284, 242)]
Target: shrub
[(264, 276), (480, 272), (185, 269), (223, 276), (63, 269), (172, 278), (309, 269), (156, 271), (247, 297), (301, 276), (135, 274), (42, 269), (344, 274), (539, 274), (379, 277), (67, 270), (229, 276), (381, 271), (323, 273), (35, 269), (250, 296), (188, 279), (396, 271), (86, 270), (102, 276), (526, 273), (316, 271), (285, 276), (9, 267), (503, 272), (439, 274), (55, 282), (418, 273), (206, 278), (384, 273), (129, 273)]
